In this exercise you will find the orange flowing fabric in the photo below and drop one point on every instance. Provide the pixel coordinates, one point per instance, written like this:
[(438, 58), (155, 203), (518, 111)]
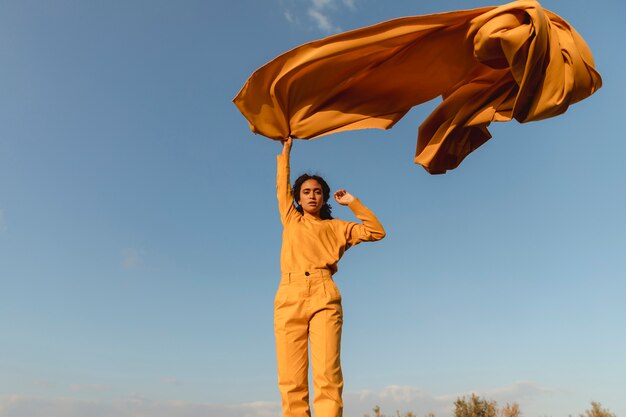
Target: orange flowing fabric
[(490, 64)]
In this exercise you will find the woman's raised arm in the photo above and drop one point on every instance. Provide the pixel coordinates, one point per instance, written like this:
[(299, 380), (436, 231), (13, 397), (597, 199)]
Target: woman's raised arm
[(287, 146), (283, 186)]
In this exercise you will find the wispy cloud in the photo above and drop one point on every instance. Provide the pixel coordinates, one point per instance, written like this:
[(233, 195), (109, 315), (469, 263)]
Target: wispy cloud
[(131, 258), (318, 12), (357, 404), (350, 4), (15, 405), (290, 17), (323, 22)]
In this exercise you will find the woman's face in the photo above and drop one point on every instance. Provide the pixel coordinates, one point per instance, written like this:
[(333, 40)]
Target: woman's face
[(311, 197)]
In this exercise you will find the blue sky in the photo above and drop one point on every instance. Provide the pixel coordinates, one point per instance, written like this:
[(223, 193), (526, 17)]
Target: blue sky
[(139, 236)]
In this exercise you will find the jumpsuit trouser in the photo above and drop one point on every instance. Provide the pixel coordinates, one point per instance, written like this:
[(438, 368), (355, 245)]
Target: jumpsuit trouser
[(307, 308)]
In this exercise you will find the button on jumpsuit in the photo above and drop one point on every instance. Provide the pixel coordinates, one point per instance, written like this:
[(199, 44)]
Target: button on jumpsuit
[(307, 307)]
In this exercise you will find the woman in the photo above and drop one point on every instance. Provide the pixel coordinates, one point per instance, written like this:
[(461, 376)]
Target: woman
[(307, 308)]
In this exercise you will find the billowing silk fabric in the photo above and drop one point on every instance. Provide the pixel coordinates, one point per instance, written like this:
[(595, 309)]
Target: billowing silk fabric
[(490, 64)]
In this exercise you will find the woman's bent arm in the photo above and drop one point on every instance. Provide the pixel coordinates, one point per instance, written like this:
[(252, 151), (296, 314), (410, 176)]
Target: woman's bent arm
[(370, 230)]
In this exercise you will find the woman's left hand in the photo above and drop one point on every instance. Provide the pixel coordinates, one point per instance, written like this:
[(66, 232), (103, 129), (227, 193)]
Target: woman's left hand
[(343, 197)]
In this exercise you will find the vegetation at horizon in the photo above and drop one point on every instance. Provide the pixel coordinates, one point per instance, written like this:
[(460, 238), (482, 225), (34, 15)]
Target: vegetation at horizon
[(475, 406)]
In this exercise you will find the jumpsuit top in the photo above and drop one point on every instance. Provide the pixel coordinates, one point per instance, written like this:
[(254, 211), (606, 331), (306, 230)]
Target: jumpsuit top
[(310, 243)]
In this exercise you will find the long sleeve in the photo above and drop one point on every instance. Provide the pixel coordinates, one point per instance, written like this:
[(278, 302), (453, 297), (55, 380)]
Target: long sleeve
[(311, 243), (370, 230), (283, 189)]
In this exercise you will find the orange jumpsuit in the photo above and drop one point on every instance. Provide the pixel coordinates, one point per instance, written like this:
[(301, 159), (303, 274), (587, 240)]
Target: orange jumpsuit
[(307, 307)]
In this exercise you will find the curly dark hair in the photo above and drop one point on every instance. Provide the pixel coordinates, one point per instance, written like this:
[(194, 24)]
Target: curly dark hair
[(325, 211)]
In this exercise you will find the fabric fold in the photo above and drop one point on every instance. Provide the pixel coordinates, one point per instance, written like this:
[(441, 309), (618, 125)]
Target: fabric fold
[(516, 61)]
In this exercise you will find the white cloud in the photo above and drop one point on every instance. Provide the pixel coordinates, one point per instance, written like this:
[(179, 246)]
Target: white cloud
[(350, 4), (131, 258), (529, 395), (290, 17), (22, 406), (322, 21), (318, 12)]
